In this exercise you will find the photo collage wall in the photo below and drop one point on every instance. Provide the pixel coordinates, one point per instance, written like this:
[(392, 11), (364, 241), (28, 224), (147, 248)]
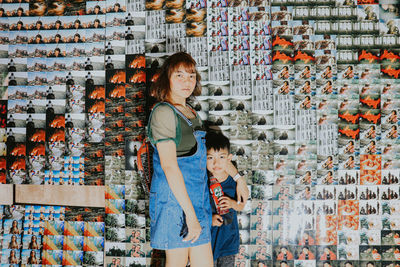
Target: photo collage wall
[(308, 93)]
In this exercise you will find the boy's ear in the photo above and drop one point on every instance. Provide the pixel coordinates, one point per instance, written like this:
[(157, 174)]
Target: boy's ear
[(230, 156)]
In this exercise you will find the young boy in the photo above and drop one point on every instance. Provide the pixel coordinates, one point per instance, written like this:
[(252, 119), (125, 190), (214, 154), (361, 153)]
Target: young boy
[(225, 230)]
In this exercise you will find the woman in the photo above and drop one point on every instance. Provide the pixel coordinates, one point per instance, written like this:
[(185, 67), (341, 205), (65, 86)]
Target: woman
[(327, 74), (12, 258), (371, 148), (348, 73), (306, 89), (328, 88), (33, 243), (284, 90), (349, 148), (392, 117), (328, 179), (284, 254), (14, 228), (180, 209), (306, 254), (13, 243), (32, 258), (392, 133), (306, 74), (306, 104)]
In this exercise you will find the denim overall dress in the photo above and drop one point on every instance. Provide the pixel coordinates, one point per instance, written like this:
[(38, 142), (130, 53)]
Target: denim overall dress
[(167, 216)]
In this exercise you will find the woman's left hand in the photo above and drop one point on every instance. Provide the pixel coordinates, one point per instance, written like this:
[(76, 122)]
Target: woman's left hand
[(242, 191)]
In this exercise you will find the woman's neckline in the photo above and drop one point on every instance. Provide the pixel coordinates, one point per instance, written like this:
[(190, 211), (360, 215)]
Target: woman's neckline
[(189, 108)]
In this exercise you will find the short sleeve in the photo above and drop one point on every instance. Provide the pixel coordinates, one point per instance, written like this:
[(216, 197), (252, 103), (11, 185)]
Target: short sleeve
[(163, 124)]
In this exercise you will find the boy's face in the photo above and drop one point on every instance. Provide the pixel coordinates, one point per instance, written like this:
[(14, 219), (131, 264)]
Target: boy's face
[(217, 161)]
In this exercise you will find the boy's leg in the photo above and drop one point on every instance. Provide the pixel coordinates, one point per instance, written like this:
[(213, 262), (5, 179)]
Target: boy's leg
[(177, 257), (226, 261)]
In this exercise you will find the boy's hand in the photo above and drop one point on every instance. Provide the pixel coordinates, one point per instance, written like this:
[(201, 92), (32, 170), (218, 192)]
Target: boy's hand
[(217, 220), (226, 203)]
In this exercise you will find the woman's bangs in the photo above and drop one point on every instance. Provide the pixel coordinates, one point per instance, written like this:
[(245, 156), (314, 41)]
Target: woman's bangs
[(187, 65)]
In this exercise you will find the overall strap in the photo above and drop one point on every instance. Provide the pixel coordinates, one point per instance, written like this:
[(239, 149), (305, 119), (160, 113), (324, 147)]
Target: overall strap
[(177, 111)]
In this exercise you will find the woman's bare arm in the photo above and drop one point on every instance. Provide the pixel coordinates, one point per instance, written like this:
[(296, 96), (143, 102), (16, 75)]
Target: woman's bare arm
[(242, 191)]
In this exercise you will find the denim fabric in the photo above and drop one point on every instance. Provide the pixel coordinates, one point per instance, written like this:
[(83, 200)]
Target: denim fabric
[(225, 261), (165, 212)]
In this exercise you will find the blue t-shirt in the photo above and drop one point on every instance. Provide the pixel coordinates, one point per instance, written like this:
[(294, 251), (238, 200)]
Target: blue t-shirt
[(225, 238)]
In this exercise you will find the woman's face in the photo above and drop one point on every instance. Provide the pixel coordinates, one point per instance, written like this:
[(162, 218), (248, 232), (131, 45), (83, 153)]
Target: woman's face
[(182, 83)]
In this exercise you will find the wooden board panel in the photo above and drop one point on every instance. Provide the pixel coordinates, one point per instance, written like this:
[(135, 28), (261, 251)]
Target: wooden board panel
[(6, 194), (82, 196)]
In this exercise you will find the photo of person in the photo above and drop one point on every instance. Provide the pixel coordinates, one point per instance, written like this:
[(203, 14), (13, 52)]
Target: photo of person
[(284, 254), (12, 257), (32, 258), (14, 228), (13, 244)]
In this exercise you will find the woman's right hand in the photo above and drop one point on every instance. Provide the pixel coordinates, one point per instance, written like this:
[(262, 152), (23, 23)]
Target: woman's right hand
[(194, 229)]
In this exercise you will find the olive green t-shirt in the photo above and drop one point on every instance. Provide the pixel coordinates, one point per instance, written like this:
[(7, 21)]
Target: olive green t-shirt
[(163, 127)]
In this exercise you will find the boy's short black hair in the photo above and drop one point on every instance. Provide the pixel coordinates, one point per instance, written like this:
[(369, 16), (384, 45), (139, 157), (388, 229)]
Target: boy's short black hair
[(217, 140)]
